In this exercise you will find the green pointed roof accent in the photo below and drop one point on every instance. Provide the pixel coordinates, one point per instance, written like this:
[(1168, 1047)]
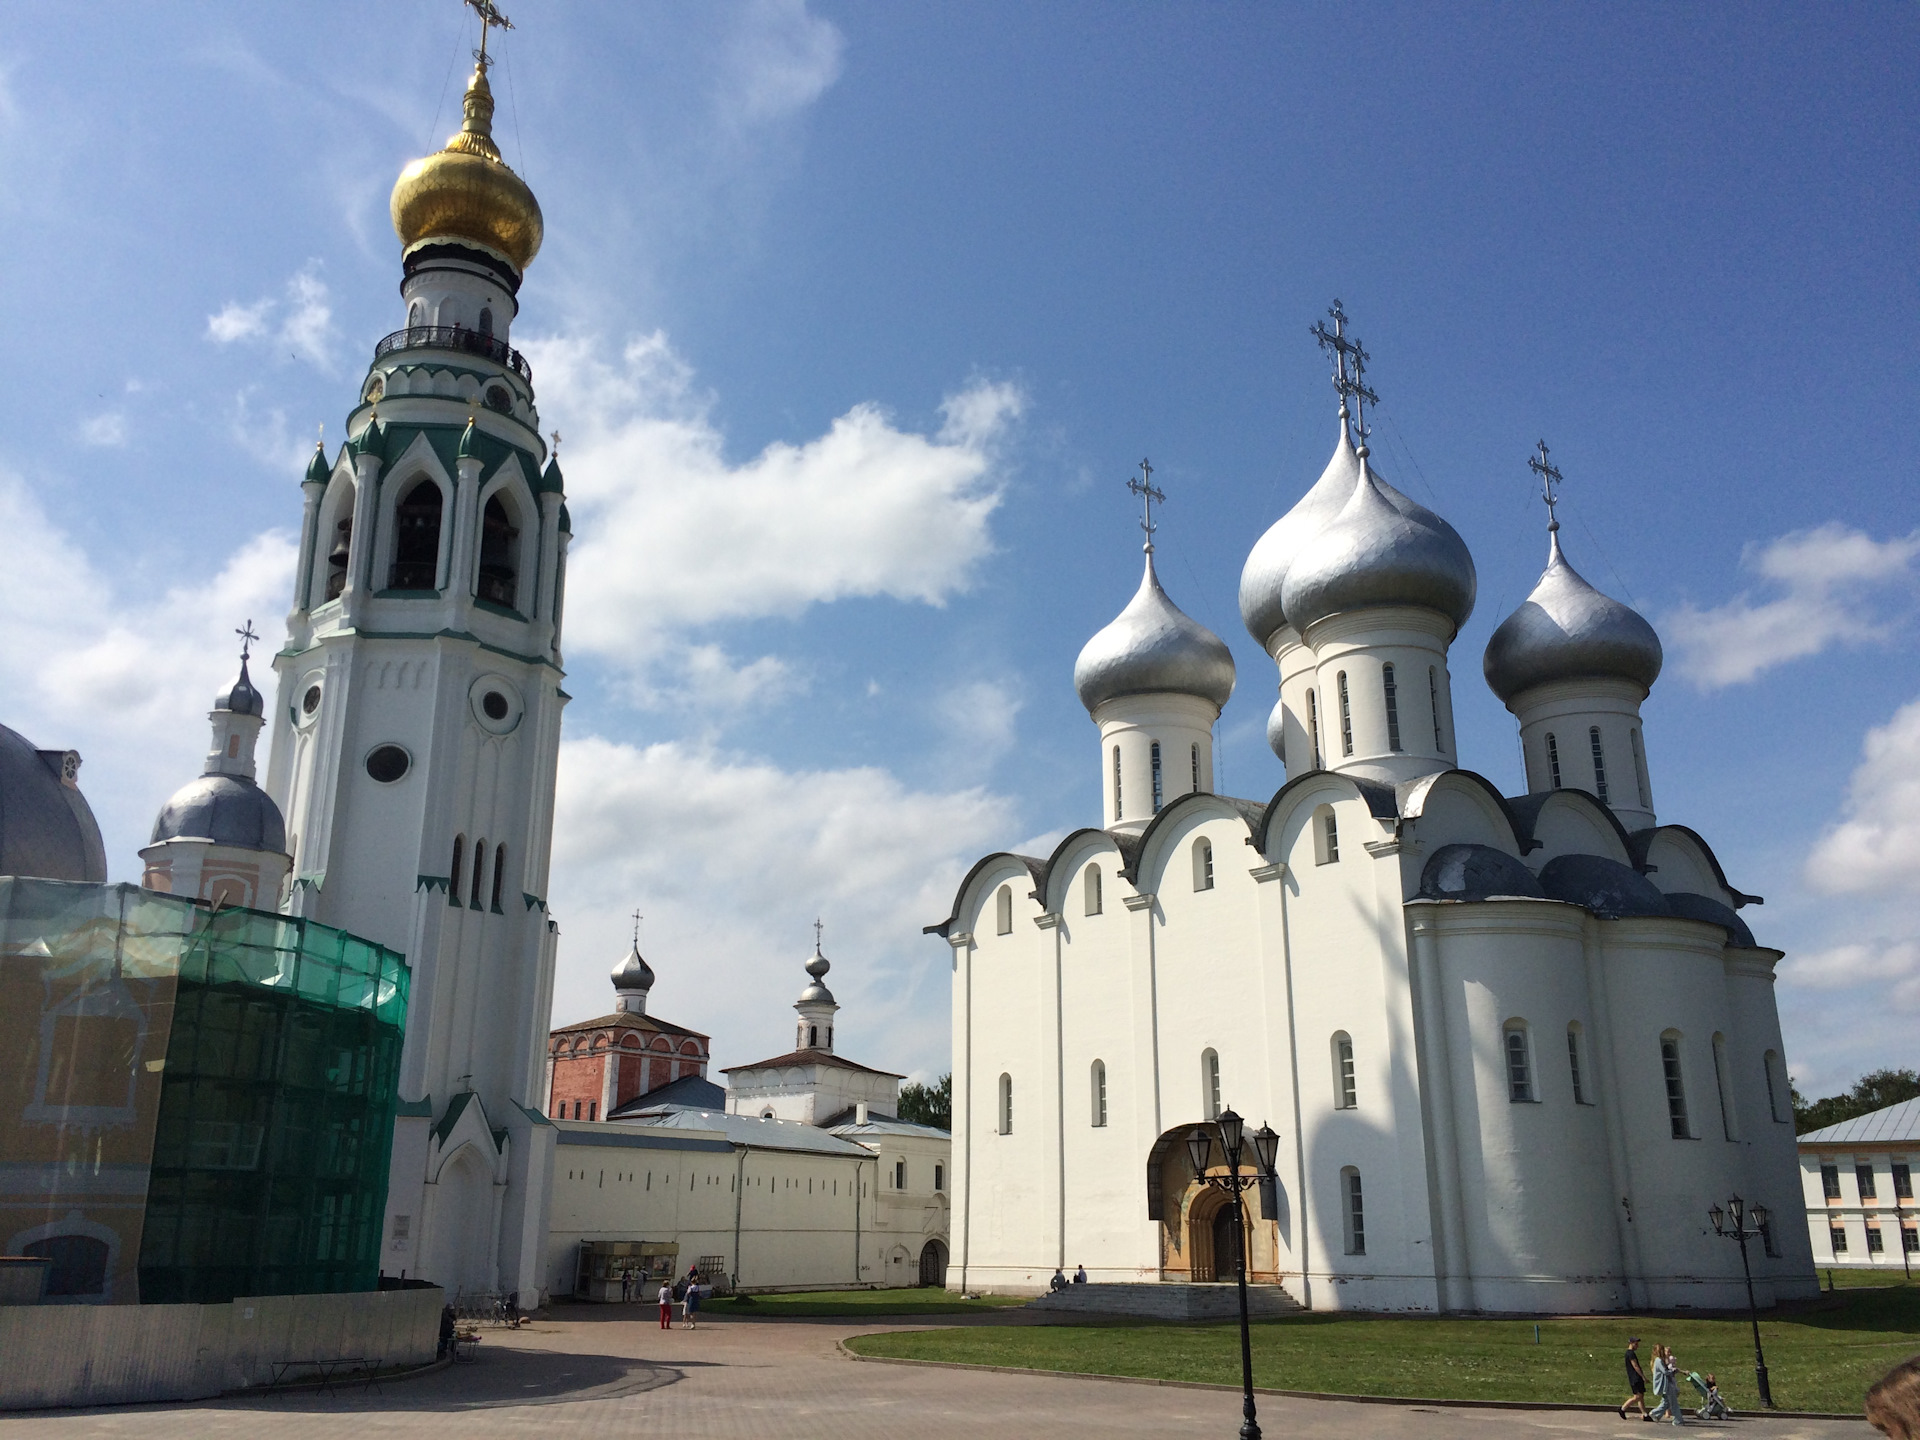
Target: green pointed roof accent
[(566, 520), (370, 441), (551, 480), (317, 468), (453, 443), (469, 437)]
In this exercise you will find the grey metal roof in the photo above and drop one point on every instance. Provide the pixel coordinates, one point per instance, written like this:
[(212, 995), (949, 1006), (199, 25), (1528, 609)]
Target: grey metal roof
[(749, 1130), (47, 829), (693, 1091), (226, 809), (1476, 872), (1895, 1125), (877, 1126), (632, 1137)]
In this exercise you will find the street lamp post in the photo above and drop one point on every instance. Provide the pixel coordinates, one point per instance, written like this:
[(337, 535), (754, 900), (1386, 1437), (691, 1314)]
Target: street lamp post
[(1742, 1222), (1266, 1146)]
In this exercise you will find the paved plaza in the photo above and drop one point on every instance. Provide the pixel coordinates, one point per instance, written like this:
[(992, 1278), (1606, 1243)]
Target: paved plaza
[(787, 1380)]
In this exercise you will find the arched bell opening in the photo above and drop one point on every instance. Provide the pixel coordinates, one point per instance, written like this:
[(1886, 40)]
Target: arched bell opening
[(416, 539), (333, 541), (499, 554)]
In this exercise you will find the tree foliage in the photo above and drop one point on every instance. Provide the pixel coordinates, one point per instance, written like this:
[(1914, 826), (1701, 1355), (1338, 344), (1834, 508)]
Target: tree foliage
[(1873, 1091), (929, 1104)]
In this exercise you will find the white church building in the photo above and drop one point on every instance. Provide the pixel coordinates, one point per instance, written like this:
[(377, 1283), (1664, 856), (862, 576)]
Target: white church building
[(1515, 1046)]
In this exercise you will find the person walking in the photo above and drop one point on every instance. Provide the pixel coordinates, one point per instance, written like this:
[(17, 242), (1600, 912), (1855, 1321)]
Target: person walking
[(666, 1305), (690, 1304), (1636, 1381), (1658, 1382), (1666, 1384)]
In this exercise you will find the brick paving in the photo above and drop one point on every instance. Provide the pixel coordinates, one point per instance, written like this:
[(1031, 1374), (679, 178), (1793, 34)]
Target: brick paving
[(786, 1380)]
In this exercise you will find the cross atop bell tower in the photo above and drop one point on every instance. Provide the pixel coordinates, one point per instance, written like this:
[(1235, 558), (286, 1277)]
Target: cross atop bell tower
[(1150, 495), (1349, 369), (491, 18), (1549, 484)]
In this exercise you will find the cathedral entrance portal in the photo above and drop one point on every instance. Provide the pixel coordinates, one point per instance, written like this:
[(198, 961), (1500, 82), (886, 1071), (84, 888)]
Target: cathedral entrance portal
[(1210, 1237), (933, 1264)]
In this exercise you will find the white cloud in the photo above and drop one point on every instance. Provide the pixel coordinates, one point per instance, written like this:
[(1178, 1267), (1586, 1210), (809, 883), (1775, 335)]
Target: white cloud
[(1843, 966), (981, 716), (305, 324), (1875, 847), (267, 437), (1833, 586), (235, 321), (671, 536), (780, 60), (107, 431), (731, 858)]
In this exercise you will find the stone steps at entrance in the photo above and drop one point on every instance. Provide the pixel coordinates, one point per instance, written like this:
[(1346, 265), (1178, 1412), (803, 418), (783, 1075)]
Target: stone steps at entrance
[(1170, 1301)]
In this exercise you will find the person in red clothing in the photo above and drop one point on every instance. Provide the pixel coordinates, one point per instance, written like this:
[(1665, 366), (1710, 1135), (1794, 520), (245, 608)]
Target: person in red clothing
[(666, 1306)]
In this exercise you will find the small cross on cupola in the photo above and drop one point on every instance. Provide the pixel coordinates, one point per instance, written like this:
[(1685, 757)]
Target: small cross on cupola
[(1549, 484), (1150, 495), (816, 1004)]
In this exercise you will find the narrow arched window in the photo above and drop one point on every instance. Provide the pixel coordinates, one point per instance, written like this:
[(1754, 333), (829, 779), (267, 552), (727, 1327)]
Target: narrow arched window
[(416, 539), (1091, 885), (1599, 764), (1196, 767), (479, 869), (1353, 1212), (1326, 836), (1346, 716), (1676, 1086), (1777, 1089), (1210, 1084), (1313, 726), (1724, 1084), (499, 570), (486, 320), (1573, 1064), (1640, 768), (1519, 1063), (1553, 760), (1203, 864), (1006, 1105), (1346, 1089), (1119, 812), (813, 1037), (1433, 699), (1099, 1086), (1157, 791), (1389, 693), (1003, 911), (416, 315), (499, 869), (453, 884)]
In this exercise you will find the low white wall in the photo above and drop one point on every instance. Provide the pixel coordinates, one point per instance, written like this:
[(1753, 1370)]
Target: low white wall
[(117, 1354)]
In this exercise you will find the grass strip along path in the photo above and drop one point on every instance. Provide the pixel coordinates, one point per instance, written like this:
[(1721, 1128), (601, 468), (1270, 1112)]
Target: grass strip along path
[(1818, 1359), (858, 1304)]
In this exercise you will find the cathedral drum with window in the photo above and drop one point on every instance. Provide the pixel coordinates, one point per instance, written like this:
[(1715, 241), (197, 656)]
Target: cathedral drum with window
[(1515, 1046), (417, 724)]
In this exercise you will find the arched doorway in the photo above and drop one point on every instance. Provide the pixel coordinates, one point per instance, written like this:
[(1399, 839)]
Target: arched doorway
[(1210, 1237), (461, 1258), (933, 1263)]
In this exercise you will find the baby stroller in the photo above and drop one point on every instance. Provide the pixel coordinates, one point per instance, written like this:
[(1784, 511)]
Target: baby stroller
[(1712, 1406)]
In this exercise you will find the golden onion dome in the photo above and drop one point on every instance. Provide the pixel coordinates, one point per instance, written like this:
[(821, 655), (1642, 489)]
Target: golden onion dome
[(466, 193)]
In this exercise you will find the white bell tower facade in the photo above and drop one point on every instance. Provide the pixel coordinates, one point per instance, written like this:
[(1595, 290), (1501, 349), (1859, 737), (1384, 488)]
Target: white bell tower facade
[(417, 722)]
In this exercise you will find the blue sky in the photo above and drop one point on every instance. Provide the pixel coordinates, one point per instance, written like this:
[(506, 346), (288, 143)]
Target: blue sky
[(857, 318)]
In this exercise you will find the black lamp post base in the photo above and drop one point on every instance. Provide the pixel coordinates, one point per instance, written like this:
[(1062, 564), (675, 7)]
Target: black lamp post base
[(1766, 1390)]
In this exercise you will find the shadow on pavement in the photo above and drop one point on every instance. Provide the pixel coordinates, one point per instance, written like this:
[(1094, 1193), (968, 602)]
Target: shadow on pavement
[(496, 1379)]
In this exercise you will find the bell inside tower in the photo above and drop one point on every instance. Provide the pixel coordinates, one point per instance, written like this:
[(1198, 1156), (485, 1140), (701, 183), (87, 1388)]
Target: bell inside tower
[(499, 580), (416, 539)]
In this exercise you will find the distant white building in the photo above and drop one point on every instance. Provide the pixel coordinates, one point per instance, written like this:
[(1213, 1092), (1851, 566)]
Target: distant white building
[(799, 1177), (1857, 1177), (1514, 1046)]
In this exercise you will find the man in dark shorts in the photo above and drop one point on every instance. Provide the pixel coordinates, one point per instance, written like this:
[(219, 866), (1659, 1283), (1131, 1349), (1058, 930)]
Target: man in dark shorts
[(1636, 1380)]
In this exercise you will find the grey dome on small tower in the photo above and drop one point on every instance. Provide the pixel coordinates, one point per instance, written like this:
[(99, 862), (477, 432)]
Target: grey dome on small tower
[(633, 972), (1568, 630), (1264, 576), (224, 809), (241, 697), (1381, 549), (1153, 647), (816, 993)]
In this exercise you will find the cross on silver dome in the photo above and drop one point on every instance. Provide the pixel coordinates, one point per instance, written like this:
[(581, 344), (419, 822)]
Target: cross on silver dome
[(1550, 479), (1349, 366), (1149, 497)]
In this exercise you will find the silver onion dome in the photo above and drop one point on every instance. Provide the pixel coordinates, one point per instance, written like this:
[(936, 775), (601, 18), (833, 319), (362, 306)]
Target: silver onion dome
[(1381, 549), (816, 993), (225, 809), (1568, 630), (633, 973), (1277, 730), (1152, 648), (47, 829), (1264, 575), (241, 697)]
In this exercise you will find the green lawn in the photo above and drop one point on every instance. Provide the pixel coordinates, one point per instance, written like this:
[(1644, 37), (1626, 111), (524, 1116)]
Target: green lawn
[(1821, 1360), (858, 1304)]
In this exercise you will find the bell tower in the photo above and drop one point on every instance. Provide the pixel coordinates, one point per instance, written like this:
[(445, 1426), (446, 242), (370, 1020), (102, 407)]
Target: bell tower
[(417, 722)]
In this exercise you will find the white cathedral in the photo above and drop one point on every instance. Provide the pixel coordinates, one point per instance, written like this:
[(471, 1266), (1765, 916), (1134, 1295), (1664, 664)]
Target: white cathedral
[(1515, 1046)]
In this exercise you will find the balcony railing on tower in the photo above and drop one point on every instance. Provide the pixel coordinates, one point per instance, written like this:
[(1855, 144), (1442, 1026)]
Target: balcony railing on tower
[(456, 337)]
